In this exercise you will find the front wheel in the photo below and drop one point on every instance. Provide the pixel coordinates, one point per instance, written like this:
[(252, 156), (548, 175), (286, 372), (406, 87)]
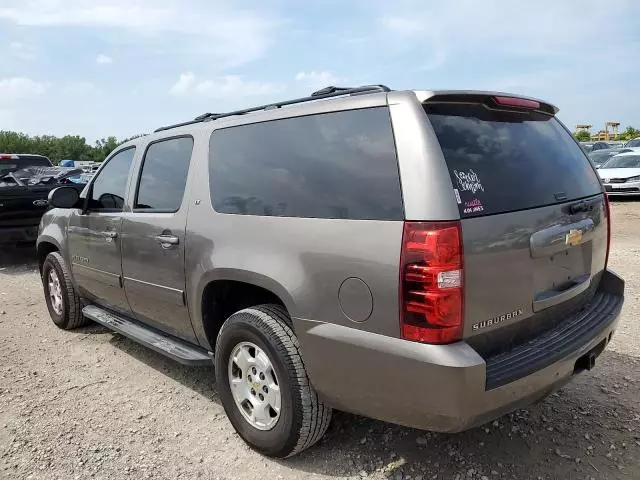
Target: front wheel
[(62, 300), (263, 383)]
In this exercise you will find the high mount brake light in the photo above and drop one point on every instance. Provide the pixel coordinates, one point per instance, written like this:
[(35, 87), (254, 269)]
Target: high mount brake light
[(517, 102), (431, 282)]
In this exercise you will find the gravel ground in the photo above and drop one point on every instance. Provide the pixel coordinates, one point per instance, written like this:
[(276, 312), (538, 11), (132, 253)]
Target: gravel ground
[(93, 404)]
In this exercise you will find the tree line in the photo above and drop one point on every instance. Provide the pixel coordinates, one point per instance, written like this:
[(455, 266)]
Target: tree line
[(75, 147), (69, 147), (628, 134)]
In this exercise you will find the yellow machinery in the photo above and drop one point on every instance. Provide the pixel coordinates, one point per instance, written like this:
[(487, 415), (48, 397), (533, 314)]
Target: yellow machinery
[(605, 135), (614, 130)]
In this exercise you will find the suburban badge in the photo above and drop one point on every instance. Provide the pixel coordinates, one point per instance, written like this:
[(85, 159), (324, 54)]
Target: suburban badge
[(496, 320)]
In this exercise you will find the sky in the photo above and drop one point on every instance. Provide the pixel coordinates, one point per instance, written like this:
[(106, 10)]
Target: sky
[(124, 67)]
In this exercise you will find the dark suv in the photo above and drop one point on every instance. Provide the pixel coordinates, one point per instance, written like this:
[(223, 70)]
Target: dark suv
[(21, 204), (429, 258)]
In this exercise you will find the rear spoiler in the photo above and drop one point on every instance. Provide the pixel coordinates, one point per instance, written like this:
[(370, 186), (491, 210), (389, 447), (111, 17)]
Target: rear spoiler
[(493, 100)]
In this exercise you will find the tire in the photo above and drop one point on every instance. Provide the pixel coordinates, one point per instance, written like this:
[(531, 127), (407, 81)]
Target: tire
[(303, 418), (68, 313)]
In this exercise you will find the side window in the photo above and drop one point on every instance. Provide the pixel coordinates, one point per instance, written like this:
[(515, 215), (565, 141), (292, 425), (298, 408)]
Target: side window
[(333, 165), (108, 189), (164, 175)]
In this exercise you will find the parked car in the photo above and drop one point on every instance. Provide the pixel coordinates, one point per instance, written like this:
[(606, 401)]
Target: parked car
[(428, 258), (633, 143), (621, 174), (25, 182), (595, 146), (90, 167), (600, 157), (586, 146), (10, 162)]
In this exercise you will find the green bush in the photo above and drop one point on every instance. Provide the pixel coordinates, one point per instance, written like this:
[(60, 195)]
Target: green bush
[(69, 147)]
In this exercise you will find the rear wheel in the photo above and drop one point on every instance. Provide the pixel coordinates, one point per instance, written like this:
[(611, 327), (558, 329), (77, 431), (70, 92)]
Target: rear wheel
[(263, 383), (63, 303)]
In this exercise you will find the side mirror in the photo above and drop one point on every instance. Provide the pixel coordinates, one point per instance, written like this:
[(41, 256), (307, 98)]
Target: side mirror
[(64, 197)]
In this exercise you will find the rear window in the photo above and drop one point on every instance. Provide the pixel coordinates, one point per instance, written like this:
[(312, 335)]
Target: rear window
[(164, 175), (11, 163), (8, 167), (33, 161), (502, 161), (333, 165)]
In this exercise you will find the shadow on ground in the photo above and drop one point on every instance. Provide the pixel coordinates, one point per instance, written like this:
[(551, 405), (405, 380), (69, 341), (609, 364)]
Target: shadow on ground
[(568, 435), (548, 440), (627, 199), (18, 260), (199, 379)]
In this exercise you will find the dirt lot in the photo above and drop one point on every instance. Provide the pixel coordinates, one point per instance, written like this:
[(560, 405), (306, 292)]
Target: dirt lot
[(92, 404)]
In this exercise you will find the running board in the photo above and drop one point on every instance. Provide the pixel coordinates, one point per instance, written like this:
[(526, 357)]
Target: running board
[(174, 348)]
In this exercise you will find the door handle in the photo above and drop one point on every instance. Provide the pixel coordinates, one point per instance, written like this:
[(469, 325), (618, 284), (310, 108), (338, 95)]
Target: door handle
[(110, 235), (167, 240)]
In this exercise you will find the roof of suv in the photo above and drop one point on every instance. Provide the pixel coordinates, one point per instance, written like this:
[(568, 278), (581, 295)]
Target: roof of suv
[(365, 96), (321, 94)]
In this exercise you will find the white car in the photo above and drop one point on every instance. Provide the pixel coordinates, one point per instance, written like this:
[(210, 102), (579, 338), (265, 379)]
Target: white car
[(621, 174)]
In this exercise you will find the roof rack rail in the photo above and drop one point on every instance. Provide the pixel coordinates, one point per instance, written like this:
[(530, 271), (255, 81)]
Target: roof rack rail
[(327, 92)]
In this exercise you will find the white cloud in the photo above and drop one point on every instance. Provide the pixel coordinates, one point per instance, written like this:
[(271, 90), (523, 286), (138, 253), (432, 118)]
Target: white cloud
[(227, 86), (442, 32), (319, 79), (405, 26), (82, 88), (103, 59), (183, 84), (503, 26), (231, 35), (22, 50), (527, 82), (19, 88)]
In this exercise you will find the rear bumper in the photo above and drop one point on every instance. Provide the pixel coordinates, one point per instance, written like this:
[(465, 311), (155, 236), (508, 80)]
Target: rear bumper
[(445, 387), (12, 235)]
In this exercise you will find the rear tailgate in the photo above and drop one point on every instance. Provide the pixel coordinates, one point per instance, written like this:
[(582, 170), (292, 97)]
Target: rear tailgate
[(533, 217)]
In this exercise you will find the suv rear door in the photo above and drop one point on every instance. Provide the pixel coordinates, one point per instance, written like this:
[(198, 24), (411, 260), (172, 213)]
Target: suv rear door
[(532, 211), (153, 238)]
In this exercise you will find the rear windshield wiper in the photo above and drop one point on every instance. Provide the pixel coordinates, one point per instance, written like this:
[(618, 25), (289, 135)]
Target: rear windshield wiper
[(580, 206)]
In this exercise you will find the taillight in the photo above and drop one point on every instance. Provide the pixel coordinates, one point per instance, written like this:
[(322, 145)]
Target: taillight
[(431, 282), (517, 102), (607, 212)]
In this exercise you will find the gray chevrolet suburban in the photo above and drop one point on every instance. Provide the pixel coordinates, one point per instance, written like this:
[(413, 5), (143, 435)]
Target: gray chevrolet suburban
[(429, 258)]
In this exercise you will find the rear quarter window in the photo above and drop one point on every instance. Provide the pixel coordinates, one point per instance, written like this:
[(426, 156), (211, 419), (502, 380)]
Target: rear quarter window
[(333, 165), (501, 161), (33, 161), (17, 162)]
